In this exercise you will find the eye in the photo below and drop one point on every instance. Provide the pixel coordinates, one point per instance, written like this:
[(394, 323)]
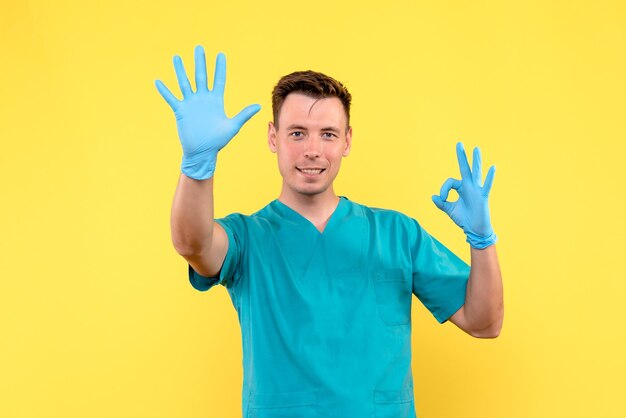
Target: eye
[(296, 134), (329, 135)]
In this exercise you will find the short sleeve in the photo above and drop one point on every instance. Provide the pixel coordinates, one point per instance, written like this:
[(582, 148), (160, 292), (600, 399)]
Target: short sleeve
[(439, 276), (230, 272)]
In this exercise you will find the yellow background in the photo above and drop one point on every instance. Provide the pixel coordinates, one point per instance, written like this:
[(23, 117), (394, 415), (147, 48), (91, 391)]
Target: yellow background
[(97, 318)]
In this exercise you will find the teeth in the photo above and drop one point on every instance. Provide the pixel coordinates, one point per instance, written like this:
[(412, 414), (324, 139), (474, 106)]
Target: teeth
[(309, 171)]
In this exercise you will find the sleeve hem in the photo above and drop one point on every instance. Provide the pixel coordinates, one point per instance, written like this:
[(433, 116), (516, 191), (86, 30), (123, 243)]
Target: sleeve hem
[(203, 283), (443, 316), (200, 282)]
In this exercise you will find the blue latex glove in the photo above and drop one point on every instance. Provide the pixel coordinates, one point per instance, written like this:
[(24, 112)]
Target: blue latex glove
[(203, 127), (471, 210)]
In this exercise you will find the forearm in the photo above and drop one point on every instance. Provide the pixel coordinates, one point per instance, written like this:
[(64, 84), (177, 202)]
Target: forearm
[(484, 306), (192, 215)]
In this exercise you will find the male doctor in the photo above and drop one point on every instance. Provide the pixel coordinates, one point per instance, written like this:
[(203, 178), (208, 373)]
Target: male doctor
[(323, 285)]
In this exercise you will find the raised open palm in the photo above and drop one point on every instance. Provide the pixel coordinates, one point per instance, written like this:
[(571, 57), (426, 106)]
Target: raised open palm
[(203, 127)]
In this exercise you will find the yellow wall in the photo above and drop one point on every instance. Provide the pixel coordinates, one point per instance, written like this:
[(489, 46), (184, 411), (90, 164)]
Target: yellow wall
[(97, 318)]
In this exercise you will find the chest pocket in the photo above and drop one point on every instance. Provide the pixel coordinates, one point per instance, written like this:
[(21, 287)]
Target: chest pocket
[(393, 296), (284, 405)]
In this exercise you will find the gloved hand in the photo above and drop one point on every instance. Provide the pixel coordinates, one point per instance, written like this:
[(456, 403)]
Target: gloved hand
[(471, 210), (203, 127)]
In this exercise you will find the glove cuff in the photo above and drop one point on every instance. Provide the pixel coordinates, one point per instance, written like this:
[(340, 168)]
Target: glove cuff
[(479, 242), (200, 167)]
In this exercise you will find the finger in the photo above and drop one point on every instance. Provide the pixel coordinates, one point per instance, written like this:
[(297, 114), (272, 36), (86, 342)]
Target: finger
[(201, 82), (477, 172), (463, 164), (167, 94), (245, 115), (220, 74), (183, 81), (444, 206), (489, 180), (447, 186)]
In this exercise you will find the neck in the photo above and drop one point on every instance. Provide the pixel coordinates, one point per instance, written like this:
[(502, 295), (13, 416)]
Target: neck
[(317, 207)]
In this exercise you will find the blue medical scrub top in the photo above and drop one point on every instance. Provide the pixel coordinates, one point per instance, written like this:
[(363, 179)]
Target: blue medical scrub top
[(326, 317)]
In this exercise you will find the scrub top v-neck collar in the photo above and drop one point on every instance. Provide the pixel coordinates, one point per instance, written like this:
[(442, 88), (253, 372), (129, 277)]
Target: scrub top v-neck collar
[(291, 215)]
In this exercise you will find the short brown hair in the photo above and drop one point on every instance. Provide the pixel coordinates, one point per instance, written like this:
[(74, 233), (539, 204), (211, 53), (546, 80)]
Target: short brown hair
[(312, 84)]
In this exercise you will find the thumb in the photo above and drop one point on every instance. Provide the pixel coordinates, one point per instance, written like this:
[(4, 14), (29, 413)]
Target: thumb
[(245, 115), (440, 203)]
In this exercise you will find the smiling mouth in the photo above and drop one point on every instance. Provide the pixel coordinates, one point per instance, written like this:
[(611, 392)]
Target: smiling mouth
[(311, 171)]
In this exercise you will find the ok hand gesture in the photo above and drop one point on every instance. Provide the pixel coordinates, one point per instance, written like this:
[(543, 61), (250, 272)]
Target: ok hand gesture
[(471, 210)]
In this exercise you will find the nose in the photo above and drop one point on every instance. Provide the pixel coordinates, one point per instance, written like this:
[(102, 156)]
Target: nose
[(313, 148)]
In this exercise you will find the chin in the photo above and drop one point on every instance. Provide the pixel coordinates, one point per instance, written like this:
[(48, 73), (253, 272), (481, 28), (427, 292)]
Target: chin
[(312, 190)]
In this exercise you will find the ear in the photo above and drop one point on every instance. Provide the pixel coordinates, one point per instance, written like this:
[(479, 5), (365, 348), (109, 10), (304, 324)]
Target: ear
[(346, 150), (271, 136)]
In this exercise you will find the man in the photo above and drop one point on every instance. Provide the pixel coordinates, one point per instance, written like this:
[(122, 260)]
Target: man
[(322, 285)]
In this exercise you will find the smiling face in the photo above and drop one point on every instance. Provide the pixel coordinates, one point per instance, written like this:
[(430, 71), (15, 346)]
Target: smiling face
[(310, 140)]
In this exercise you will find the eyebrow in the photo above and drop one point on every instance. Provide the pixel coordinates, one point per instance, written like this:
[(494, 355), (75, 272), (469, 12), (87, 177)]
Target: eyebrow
[(302, 128)]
